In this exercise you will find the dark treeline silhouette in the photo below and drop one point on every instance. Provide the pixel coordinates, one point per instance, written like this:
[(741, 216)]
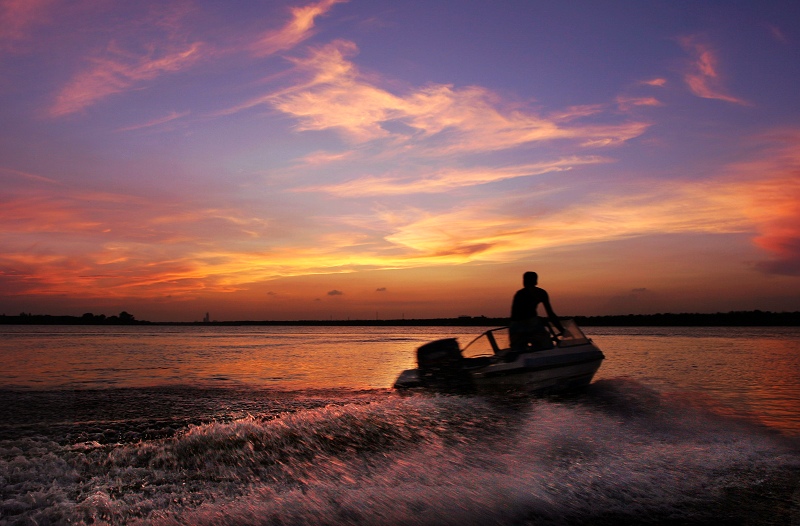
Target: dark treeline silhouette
[(465, 321), (123, 318), (754, 318)]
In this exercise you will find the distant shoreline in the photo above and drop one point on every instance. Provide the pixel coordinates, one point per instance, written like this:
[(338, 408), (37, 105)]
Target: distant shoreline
[(754, 318)]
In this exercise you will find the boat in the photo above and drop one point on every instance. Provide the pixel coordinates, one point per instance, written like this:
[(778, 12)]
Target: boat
[(556, 363)]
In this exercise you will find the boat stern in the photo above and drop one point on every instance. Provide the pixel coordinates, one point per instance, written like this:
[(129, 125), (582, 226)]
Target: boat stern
[(408, 379)]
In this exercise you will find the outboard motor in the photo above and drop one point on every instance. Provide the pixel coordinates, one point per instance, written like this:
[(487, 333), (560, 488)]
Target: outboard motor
[(441, 366)]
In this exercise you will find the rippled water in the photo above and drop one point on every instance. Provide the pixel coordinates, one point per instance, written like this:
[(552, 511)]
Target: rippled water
[(247, 425), (64, 357)]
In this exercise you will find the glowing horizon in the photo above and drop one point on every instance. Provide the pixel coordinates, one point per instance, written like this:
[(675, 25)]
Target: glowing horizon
[(304, 160)]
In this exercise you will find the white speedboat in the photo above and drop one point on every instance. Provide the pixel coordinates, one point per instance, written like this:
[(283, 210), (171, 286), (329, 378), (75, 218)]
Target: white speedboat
[(563, 362)]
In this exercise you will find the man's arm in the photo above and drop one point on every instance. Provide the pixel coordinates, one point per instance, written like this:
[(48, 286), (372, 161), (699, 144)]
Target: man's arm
[(550, 313)]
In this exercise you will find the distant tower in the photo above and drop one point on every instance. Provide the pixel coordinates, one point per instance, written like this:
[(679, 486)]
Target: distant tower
[(206, 319)]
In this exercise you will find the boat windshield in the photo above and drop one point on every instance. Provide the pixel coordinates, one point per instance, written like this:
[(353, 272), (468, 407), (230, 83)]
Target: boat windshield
[(487, 344), (572, 334), (495, 340)]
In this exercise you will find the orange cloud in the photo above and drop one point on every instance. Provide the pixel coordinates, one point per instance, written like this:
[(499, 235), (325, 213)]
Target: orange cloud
[(167, 255), (323, 158), (499, 231), (758, 197), (439, 118), (702, 76), (115, 246), (297, 30), (768, 192)]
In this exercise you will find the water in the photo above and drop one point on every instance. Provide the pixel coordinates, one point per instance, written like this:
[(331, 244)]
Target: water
[(294, 425)]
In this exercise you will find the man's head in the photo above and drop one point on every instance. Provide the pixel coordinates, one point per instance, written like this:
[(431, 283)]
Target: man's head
[(530, 279)]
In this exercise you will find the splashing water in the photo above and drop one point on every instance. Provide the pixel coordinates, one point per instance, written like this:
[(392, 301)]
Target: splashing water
[(616, 452)]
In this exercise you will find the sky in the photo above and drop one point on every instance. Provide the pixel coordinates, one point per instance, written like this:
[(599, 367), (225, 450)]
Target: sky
[(335, 159)]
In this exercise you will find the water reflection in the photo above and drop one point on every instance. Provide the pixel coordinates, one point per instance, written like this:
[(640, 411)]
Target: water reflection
[(750, 370), (747, 370)]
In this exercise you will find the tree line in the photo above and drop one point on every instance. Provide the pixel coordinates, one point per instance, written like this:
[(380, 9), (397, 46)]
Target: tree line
[(755, 318), (24, 318)]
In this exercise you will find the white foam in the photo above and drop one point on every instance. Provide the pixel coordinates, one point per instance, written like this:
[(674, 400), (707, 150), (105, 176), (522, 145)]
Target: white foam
[(417, 460)]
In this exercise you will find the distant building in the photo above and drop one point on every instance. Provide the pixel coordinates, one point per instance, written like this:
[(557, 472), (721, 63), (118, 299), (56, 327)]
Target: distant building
[(207, 319)]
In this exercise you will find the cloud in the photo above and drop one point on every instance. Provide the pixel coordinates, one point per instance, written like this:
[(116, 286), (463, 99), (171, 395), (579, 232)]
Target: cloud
[(119, 68), (787, 262), (441, 119), (381, 289), (498, 231), (768, 191), (25, 175), (777, 34), (701, 75), (299, 28), (758, 197), (323, 158), (656, 82), (174, 115), (335, 293), (115, 245), (17, 18), (119, 72), (87, 244), (447, 179), (626, 103)]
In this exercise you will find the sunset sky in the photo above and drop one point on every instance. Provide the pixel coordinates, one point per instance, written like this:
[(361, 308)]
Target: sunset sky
[(386, 159)]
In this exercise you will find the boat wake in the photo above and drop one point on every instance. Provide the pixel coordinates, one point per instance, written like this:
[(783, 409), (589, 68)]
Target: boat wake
[(617, 452)]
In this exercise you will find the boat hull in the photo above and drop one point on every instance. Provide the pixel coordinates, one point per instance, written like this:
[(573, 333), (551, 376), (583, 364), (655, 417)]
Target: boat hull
[(542, 372), (537, 377)]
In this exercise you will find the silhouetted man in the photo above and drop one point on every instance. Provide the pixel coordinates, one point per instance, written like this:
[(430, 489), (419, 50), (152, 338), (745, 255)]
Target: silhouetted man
[(526, 327)]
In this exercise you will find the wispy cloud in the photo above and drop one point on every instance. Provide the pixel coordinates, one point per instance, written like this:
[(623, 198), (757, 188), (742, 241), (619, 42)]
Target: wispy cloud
[(448, 179), (777, 33), (298, 29), (757, 197), (324, 158), (26, 175), (119, 72), (702, 74), (625, 103), (174, 115), (656, 82), (335, 95), (118, 69), (495, 231)]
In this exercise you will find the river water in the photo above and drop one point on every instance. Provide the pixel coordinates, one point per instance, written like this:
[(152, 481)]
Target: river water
[(298, 425)]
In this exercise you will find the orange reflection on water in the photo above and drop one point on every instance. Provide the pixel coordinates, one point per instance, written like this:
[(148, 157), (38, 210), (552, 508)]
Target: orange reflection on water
[(750, 372)]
